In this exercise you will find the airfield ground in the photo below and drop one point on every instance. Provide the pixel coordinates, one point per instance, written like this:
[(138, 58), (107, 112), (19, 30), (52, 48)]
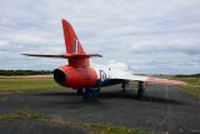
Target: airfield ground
[(41, 106)]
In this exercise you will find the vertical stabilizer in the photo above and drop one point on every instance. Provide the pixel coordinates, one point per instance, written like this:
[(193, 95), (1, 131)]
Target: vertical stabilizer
[(73, 46), (72, 43)]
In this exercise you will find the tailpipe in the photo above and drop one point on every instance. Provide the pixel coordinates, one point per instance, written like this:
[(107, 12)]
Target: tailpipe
[(59, 76)]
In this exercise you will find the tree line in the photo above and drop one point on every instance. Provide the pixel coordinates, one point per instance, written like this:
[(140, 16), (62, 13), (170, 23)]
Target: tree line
[(24, 72)]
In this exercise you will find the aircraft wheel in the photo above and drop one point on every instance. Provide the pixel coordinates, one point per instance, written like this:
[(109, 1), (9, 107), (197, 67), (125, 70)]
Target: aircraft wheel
[(141, 90), (79, 91), (140, 93), (91, 93)]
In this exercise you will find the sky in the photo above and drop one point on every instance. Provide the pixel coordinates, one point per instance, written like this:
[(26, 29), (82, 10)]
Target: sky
[(148, 36)]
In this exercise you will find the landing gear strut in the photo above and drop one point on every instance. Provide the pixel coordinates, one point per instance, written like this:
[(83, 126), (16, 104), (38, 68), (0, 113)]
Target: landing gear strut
[(125, 85), (141, 90)]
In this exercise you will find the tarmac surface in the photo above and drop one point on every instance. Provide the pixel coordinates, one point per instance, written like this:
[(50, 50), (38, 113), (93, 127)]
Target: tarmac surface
[(163, 109)]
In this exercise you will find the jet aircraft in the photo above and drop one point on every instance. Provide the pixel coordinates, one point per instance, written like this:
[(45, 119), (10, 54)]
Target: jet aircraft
[(87, 79)]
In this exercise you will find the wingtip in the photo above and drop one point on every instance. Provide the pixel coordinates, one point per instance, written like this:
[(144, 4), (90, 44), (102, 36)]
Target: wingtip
[(99, 55), (153, 80), (24, 54)]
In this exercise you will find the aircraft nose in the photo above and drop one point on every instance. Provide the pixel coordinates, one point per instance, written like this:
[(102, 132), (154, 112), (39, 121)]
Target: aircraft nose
[(59, 76)]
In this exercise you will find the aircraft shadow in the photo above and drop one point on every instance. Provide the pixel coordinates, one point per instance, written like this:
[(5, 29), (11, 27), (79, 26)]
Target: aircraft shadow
[(56, 94), (146, 98), (119, 94)]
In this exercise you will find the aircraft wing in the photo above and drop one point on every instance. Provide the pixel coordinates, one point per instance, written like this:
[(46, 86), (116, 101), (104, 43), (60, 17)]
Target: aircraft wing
[(147, 79)]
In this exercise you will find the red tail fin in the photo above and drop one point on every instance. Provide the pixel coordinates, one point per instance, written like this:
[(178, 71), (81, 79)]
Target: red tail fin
[(72, 43), (74, 50)]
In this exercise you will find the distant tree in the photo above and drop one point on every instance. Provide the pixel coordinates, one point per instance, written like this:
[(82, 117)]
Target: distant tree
[(23, 72)]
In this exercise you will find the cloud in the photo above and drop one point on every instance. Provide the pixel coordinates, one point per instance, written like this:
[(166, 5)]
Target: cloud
[(150, 36)]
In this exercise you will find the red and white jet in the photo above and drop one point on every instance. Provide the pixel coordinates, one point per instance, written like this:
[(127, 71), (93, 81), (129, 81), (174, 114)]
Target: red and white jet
[(79, 74)]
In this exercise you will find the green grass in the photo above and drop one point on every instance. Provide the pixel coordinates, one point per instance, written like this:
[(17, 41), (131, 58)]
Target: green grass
[(27, 84), (22, 115), (112, 129), (94, 128), (193, 85)]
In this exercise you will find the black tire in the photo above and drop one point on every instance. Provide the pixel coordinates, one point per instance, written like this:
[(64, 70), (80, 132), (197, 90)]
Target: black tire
[(140, 93), (80, 91)]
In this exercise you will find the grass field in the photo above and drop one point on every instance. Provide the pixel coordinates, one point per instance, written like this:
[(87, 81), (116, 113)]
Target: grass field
[(193, 85), (27, 84)]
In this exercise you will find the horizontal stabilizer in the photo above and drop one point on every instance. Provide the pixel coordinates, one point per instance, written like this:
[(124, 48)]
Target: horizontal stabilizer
[(45, 55), (65, 56)]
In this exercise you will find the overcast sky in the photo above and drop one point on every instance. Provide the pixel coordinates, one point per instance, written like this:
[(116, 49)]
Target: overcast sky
[(150, 36)]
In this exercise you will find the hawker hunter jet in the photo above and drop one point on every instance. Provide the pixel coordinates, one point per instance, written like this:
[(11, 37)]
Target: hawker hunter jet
[(86, 79)]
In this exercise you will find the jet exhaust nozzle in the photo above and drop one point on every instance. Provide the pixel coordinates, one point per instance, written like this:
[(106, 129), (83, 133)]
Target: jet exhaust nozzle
[(59, 76)]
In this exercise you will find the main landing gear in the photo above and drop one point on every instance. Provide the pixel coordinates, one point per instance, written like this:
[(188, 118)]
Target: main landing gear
[(141, 90), (79, 91), (91, 93), (125, 85)]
